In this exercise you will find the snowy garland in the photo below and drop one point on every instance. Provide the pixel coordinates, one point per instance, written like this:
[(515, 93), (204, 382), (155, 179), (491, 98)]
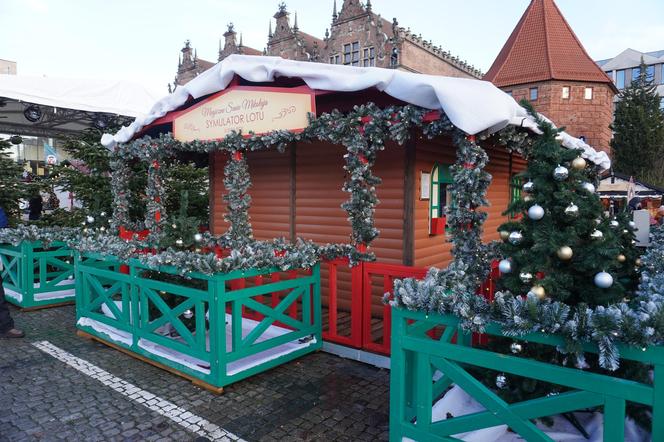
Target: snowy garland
[(237, 182), (279, 253), (32, 233), (121, 193), (639, 322)]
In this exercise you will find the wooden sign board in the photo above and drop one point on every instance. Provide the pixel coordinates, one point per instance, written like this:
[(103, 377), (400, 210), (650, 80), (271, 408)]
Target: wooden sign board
[(256, 109)]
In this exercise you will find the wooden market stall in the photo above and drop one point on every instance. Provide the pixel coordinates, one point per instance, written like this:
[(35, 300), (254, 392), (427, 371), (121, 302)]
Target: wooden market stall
[(335, 129)]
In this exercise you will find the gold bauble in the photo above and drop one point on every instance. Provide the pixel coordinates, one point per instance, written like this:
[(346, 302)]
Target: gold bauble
[(579, 163), (538, 291), (528, 198), (504, 234), (621, 258), (565, 253), (638, 261)]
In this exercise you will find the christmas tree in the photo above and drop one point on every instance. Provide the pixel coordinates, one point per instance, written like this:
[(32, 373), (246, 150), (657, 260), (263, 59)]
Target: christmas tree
[(12, 189), (563, 248), (638, 139)]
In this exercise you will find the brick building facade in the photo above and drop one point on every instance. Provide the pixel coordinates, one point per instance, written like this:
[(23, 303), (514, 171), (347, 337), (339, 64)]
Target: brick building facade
[(544, 62), (357, 36)]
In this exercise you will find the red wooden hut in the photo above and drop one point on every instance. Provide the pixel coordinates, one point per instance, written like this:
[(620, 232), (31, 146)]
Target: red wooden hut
[(299, 193)]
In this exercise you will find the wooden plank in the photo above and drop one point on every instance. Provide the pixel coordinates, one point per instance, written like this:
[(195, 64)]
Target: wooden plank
[(409, 203), (40, 307), (199, 383)]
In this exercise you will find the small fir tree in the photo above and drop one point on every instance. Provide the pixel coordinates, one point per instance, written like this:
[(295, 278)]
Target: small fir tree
[(565, 244), (12, 189), (638, 140)]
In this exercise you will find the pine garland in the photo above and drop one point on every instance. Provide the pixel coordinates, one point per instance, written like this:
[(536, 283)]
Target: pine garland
[(237, 182)]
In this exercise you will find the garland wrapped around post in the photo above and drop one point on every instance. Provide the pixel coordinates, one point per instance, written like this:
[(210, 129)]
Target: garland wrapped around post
[(237, 182), (155, 214), (469, 187), (361, 184), (121, 173)]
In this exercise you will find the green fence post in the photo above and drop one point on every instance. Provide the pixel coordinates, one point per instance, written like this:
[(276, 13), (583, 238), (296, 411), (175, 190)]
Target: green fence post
[(614, 419), (397, 377), (658, 403), (317, 305)]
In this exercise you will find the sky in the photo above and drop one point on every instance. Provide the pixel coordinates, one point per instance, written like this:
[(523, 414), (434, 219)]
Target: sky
[(140, 40)]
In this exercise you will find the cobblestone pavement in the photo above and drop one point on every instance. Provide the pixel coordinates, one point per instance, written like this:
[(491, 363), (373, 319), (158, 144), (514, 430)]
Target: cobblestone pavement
[(319, 397)]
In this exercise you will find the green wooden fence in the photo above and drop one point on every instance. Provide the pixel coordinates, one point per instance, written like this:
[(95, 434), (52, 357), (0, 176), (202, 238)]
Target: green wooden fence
[(34, 276), (418, 360), (218, 329)]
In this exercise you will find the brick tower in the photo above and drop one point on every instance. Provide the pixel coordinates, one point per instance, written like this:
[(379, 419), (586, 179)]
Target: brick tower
[(544, 62)]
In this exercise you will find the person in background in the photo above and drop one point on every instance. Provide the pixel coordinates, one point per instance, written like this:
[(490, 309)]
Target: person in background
[(7, 329), (35, 207)]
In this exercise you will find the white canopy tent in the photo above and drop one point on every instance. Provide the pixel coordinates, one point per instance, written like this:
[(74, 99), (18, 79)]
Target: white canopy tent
[(473, 106), (65, 105)]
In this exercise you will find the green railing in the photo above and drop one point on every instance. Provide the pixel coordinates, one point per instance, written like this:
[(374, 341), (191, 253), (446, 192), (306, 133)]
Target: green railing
[(423, 368), (34, 276), (217, 329)]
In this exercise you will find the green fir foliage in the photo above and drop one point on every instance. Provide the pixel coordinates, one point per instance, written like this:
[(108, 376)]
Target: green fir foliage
[(12, 189), (638, 131), (570, 281)]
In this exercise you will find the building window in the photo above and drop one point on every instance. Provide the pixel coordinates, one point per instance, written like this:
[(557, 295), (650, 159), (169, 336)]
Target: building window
[(335, 59), (369, 57), (516, 183), (588, 93), (565, 93), (533, 93), (352, 54), (440, 198), (509, 93), (636, 72), (620, 79), (650, 73), (661, 78)]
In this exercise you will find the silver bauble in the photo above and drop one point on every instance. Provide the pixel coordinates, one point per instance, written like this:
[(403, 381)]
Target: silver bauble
[(516, 347), (525, 277), (536, 212), (588, 187), (632, 225), (614, 224), (603, 280), (102, 214), (188, 314), (501, 381), (90, 219), (529, 187), (560, 173), (596, 234), (175, 226), (179, 242), (515, 238), (505, 266), (572, 210), (198, 237)]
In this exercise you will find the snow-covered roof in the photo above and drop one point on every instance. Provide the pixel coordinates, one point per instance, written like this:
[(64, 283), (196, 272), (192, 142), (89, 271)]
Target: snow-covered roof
[(92, 95), (474, 106)]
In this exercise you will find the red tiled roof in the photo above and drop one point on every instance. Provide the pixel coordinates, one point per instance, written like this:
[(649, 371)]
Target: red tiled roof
[(246, 50), (309, 41), (543, 47)]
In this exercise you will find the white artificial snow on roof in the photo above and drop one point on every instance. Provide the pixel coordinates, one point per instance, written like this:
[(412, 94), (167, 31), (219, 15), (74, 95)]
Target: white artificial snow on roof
[(474, 106), (92, 95)]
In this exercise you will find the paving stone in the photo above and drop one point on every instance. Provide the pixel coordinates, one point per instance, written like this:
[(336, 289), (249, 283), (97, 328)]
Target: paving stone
[(318, 397)]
